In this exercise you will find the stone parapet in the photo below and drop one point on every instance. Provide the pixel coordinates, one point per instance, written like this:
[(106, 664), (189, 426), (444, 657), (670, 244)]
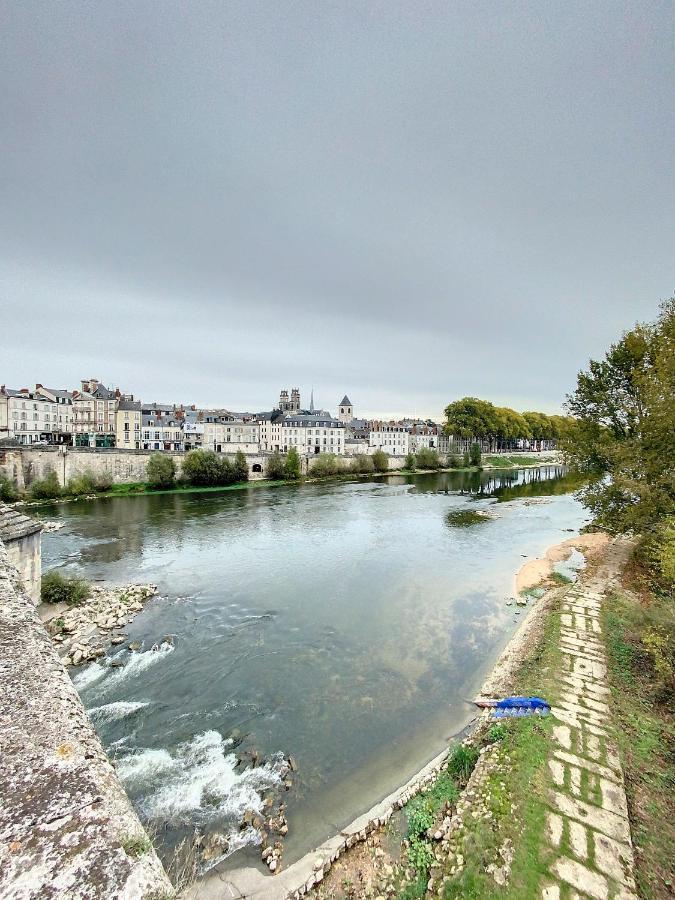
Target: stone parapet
[(67, 828)]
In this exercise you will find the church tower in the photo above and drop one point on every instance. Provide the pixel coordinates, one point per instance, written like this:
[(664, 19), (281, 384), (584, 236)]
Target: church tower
[(345, 410)]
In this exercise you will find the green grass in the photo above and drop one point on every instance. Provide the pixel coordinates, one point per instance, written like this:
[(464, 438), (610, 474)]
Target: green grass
[(58, 588), (136, 845), (643, 700), (511, 461)]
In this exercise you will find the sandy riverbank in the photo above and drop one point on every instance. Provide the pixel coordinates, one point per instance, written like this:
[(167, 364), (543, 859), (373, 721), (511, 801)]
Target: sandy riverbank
[(537, 571)]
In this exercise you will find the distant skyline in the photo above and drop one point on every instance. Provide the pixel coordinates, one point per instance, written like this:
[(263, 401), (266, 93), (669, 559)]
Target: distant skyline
[(405, 202)]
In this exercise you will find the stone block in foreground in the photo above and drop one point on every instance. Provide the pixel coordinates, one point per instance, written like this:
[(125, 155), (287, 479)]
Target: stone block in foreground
[(67, 828)]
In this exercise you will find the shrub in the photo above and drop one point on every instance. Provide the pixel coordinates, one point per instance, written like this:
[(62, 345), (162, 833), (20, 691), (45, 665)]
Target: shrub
[(362, 464), (380, 461), (475, 455), (161, 471), (8, 492), (87, 483), (275, 468), (324, 465), (104, 481), (466, 459), (47, 488), (410, 462), (428, 458), (240, 466), (58, 588), (454, 461), (292, 465), (206, 468)]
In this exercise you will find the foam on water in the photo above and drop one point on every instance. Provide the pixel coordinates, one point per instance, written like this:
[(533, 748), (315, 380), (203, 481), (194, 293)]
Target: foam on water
[(111, 712), (197, 783), (101, 676)]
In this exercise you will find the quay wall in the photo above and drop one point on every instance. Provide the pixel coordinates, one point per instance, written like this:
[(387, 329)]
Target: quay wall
[(67, 828), (22, 465)]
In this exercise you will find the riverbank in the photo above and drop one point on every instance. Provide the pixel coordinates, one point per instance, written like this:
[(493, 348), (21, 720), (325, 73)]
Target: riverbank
[(544, 810), (83, 632), (370, 857), (139, 488), (537, 571)]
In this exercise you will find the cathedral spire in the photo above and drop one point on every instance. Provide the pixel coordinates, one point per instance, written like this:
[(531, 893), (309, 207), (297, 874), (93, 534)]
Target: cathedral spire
[(311, 401)]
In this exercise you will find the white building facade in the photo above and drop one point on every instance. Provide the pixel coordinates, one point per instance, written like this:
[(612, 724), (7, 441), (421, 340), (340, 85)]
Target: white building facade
[(311, 435), (391, 437), (28, 417)]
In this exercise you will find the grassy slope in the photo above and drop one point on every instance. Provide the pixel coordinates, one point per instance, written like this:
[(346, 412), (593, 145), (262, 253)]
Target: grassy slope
[(643, 696)]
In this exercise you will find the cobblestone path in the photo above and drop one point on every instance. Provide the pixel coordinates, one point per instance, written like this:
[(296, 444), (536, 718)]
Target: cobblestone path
[(587, 823)]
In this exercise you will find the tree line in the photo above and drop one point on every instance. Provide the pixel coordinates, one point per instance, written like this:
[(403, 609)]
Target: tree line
[(501, 427)]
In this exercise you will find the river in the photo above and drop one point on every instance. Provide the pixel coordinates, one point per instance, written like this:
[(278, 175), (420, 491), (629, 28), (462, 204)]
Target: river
[(342, 623)]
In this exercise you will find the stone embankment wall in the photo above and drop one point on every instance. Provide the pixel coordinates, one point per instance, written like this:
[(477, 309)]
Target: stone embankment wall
[(67, 828), (22, 465), (21, 537)]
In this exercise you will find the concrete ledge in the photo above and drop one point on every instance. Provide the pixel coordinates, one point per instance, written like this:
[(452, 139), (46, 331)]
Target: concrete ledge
[(67, 828)]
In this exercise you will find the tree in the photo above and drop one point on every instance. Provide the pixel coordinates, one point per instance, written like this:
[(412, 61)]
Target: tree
[(240, 467), (410, 462), (292, 469), (161, 471), (206, 468), (275, 469), (475, 455), (625, 425), (380, 461), (427, 459), (324, 465)]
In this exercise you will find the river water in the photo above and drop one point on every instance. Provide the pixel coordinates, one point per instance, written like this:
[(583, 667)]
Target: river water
[(342, 623)]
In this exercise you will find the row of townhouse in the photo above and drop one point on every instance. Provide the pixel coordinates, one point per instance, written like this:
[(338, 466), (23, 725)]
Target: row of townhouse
[(401, 438), (39, 416)]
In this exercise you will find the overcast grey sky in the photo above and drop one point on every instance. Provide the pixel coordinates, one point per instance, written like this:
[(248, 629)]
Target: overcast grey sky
[(408, 202)]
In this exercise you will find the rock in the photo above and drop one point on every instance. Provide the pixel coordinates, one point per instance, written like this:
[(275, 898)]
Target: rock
[(292, 764), (521, 601), (116, 664), (135, 645), (118, 639), (273, 865), (77, 657), (284, 829)]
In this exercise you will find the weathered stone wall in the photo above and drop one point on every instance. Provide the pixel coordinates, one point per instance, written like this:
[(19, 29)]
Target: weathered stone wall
[(67, 829), (24, 464)]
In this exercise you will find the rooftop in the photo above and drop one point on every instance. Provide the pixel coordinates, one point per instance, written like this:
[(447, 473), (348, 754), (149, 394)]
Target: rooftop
[(14, 524)]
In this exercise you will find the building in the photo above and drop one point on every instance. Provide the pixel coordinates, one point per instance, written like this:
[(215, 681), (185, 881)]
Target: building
[(63, 433), (94, 414), (28, 417), (423, 436), (226, 433), (311, 434), (161, 427), (269, 429), (392, 437), (345, 410), (128, 425), (292, 405)]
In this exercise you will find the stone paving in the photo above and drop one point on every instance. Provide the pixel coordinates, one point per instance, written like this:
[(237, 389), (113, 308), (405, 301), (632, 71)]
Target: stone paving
[(587, 820)]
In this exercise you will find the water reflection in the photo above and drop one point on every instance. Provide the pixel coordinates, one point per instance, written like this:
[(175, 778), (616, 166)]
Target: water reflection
[(341, 623)]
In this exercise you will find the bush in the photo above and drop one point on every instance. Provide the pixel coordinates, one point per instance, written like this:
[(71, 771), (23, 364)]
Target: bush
[(475, 455), (205, 468), (380, 461), (58, 588), (292, 465), (47, 488), (466, 459), (161, 471), (454, 461), (8, 492), (324, 465), (275, 468), (87, 483), (428, 458), (240, 466), (410, 462), (362, 464)]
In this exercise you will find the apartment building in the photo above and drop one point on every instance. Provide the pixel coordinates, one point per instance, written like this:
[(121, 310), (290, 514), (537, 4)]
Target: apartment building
[(128, 419), (311, 434), (423, 436), (392, 437), (161, 427), (28, 417), (64, 401), (94, 414)]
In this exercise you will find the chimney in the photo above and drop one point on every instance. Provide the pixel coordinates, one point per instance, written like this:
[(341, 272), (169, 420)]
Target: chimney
[(85, 387), (38, 386)]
